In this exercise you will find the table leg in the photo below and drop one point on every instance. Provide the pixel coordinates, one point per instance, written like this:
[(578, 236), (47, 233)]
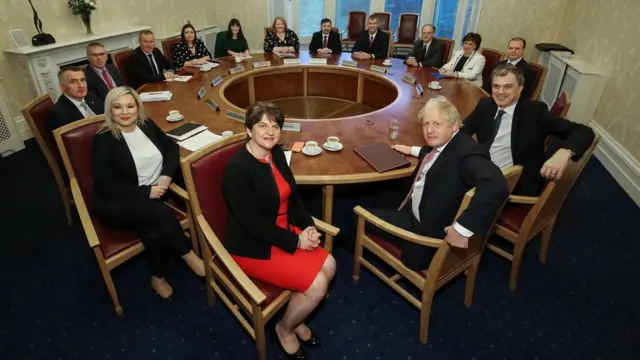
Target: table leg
[(327, 203)]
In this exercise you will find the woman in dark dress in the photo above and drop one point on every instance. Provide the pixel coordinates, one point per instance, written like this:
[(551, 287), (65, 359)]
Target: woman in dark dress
[(269, 233), (191, 51), (232, 42), (281, 39)]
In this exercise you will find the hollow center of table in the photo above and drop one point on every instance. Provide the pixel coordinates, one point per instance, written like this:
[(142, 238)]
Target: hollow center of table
[(312, 92)]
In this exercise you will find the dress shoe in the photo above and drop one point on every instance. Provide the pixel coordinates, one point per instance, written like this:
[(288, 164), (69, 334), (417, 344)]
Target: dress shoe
[(298, 355), (312, 341)]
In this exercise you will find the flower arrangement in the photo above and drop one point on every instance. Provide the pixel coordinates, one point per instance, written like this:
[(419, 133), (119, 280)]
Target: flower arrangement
[(82, 6)]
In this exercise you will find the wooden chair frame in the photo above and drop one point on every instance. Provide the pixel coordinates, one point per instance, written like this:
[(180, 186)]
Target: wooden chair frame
[(437, 274), (543, 76), (64, 191), (390, 49), (108, 264), (242, 297), (539, 219), (565, 97)]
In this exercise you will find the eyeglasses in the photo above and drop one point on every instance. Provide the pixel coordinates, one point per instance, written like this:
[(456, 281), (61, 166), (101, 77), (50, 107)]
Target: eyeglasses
[(98, 55)]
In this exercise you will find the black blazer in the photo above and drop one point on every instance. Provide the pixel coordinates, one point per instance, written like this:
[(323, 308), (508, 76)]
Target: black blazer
[(462, 165), (379, 48), (182, 54), (252, 199), (531, 125), (114, 171), (529, 76), (65, 112), (435, 53), (333, 42), (140, 67), (96, 84)]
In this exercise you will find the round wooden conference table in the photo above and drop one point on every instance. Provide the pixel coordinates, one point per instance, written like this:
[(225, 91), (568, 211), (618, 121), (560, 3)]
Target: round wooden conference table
[(355, 104)]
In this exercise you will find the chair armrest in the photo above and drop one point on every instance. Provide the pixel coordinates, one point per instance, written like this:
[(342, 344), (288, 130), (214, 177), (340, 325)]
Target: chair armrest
[(83, 213), (234, 270), (179, 191), (399, 232), (329, 229), (531, 200)]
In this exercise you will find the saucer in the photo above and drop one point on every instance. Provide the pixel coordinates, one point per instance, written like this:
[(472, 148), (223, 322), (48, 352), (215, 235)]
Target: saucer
[(340, 146), (206, 70), (389, 64), (307, 151), (175, 120)]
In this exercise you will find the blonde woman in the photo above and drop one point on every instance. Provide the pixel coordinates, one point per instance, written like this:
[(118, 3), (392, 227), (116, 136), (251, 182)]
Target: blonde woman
[(281, 39), (134, 163)]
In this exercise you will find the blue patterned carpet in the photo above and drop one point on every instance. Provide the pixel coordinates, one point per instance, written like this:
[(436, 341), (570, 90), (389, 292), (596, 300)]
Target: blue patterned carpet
[(578, 306)]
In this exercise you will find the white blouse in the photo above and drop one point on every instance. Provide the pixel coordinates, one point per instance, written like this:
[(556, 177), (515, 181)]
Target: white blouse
[(147, 157)]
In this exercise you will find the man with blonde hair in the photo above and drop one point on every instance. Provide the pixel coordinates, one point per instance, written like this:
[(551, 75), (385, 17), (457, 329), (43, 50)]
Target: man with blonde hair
[(450, 164)]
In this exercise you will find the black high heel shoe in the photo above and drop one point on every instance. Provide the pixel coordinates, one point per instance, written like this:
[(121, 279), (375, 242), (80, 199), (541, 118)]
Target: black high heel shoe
[(298, 355), (313, 341)]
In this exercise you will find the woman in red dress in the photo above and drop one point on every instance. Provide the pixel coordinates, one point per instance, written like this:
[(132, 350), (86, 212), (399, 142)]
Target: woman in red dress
[(269, 232)]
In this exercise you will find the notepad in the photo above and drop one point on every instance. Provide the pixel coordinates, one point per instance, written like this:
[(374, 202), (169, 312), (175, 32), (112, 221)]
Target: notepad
[(186, 130), (156, 96), (180, 78), (200, 140), (382, 157), (437, 75)]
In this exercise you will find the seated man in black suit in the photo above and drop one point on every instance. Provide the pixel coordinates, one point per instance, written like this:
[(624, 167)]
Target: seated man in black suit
[(147, 64), (101, 77), (75, 103), (515, 57), (514, 130), (427, 52), (372, 43), (325, 41), (449, 165)]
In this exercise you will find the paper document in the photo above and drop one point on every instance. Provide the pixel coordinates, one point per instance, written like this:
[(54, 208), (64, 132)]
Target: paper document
[(180, 78), (200, 140), (156, 96)]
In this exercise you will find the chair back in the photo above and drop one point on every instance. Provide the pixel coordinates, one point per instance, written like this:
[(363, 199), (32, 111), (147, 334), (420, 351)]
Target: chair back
[(384, 20), (75, 141), (555, 193), (447, 48), (492, 57), (456, 256), (561, 106), (408, 28), (203, 171), (167, 46), (357, 24), (540, 74), (35, 113), (120, 59), (337, 30), (391, 44), (267, 30)]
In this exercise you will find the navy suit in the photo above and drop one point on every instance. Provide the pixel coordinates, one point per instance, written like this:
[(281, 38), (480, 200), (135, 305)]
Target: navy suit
[(96, 84)]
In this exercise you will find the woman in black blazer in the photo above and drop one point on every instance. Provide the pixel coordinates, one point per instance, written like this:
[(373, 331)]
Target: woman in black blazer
[(191, 51), (269, 232), (134, 163)]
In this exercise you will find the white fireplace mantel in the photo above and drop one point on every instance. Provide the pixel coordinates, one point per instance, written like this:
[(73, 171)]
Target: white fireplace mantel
[(41, 63)]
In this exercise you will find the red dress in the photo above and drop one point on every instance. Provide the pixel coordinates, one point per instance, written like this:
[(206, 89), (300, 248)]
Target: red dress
[(288, 271)]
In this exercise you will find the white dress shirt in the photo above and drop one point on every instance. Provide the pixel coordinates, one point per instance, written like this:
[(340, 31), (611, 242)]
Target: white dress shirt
[(418, 187), (146, 156), (501, 147), (81, 108), (514, 62)]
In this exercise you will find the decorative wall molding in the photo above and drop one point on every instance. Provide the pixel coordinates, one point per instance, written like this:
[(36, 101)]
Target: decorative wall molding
[(23, 128), (620, 164)]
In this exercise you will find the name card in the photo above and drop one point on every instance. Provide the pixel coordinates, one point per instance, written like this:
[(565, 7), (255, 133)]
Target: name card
[(216, 81), (212, 104), (236, 69), (261, 64), (318, 61), (292, 62), (378, 69), (201, 92), (235, 116), (419, 90), (289, 126), (409, 79), (350, 63)]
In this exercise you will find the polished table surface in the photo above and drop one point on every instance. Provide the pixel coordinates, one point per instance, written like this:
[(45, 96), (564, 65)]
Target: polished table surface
[(386, 94)]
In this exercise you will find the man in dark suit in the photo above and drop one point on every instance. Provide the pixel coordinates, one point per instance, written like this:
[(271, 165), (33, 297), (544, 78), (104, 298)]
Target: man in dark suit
[(325, 41), (147, 64), (372, 43), (101, 77), (515, 57), (75, 103), (427, 52), (449, 165), (514, 130)]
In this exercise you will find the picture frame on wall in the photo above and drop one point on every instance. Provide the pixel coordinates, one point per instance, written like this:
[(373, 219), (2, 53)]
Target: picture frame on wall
[(18, 38)]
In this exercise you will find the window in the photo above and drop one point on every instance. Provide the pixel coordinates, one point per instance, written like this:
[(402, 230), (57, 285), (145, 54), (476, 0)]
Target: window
[(445, 18), (344, 6), (397, 7), (311, 12)]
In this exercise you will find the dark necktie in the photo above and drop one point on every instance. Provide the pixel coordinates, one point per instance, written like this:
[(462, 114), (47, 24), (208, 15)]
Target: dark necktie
[(106, 78), (153, 66), (370, 41), (426, 48), (497, 121), (324, 41)]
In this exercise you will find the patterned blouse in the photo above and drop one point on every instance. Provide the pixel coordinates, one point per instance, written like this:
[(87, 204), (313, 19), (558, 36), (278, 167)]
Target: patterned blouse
[(272, 40), (182, 53)]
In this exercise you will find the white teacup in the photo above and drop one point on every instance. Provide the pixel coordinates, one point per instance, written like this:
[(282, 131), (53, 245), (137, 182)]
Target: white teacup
[(333, 142), (238, 59), (434, 84), (311, 145), (387, 62), (227, 133), (174, 115)]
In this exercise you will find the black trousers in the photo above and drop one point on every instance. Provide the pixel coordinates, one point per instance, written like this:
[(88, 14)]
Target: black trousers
[(155, 223)]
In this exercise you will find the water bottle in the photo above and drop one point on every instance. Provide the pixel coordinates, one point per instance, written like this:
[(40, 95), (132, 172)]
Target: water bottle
[(393, 129)]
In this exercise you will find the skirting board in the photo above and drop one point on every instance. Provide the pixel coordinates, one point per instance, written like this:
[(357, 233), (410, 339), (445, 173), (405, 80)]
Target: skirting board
[(620, 164)]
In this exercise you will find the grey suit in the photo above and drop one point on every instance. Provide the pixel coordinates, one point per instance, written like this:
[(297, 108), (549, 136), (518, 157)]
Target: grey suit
[(434, 56)]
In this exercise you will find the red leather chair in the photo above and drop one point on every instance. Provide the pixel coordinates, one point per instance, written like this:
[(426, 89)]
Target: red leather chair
[(36, 113), (253, 302), (120, 59), (447, 48), (384, 20), (111, 247), (407, 30), (357, 24), (561, 106), (493, 57), (540, 74), (167, 46)]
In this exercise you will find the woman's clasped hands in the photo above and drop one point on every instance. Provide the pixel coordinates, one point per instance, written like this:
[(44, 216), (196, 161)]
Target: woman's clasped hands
[(309, 238)]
